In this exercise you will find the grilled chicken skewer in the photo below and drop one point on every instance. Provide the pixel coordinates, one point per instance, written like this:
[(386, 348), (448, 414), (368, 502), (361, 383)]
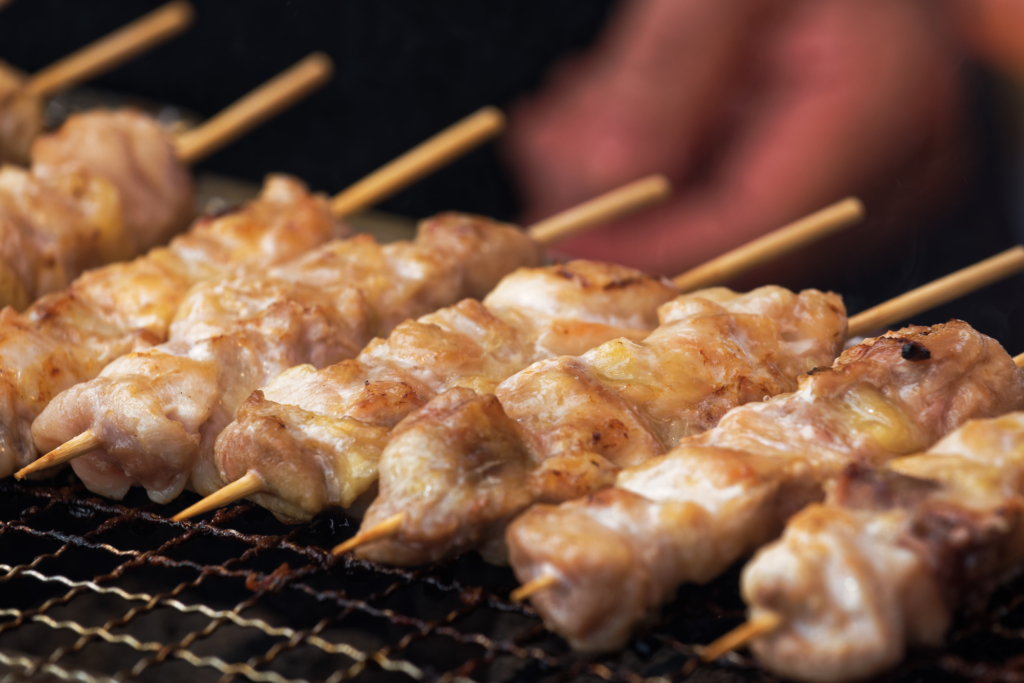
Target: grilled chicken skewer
[(110, 185), (891, 554), (531, 315), (68, 337), (21, 98), (155, 415), (686, 516), (563, 428)]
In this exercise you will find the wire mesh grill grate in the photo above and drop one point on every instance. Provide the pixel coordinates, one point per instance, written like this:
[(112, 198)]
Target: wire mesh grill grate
[(92, 590)]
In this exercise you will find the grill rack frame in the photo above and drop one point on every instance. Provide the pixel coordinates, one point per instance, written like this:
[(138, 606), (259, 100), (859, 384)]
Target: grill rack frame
[(122, 543)]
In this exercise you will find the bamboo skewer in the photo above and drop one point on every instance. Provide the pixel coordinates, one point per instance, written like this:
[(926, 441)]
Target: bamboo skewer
[(85, 442), (760, 625), (939, 292), (532, 586), (386, 529), (629, 198), (250, 483), (1019, 360), (774, 245), (272, 97), (113, 49), (421, 160)]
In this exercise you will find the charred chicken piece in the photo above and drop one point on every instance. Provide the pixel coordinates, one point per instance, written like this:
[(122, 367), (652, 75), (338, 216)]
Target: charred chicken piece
[(687, 515), (885, 562)]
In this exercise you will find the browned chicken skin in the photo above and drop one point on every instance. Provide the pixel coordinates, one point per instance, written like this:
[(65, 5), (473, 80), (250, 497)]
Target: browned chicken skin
[(68, 337), (685, 516), (158, 412), (885, 561)]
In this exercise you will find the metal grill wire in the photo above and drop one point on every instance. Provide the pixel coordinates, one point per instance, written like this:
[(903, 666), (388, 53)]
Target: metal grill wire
[(93, 590)]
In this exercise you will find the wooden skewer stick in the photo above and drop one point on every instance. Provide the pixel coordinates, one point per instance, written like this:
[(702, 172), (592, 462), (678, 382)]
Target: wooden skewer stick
[(532, 586), (426, 157), (66, 452), (607, 207), (939, 292), (265, 101), (386, 529), (112, 50), (249, 484), (774, 245), (1019, 360), (760, 625)]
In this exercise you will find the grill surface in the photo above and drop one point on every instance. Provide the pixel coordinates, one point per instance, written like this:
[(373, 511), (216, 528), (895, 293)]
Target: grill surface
[(93, 590)]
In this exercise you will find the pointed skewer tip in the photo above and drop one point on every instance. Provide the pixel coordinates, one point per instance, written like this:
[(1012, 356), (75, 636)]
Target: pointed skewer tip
[(248, 484), (78, 446), (533, 586), (386, 529), (760, 625)]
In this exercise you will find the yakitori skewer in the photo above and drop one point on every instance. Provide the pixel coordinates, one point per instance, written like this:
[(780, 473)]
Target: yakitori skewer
[(112, 50), (68, 337), (722, 494), (518, 311), (914, 540), (109, 185), (566, 426), (21, 109), (357, 302)]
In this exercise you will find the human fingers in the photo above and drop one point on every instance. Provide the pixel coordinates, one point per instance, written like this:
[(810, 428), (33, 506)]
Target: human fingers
[(837, 112)]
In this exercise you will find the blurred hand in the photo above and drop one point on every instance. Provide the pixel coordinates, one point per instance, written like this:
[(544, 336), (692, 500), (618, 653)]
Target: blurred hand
[(758, 112)]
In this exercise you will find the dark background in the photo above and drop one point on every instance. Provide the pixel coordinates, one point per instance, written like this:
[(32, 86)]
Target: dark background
[(407, 68), (404, 69)]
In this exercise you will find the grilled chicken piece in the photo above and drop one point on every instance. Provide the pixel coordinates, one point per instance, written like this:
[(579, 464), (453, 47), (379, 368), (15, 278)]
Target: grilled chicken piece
[(21, 116), (68, 337), (887, 559), (459, 472), (582, 419), (133, 152), (532, 314), (158, 412), (687, 515), (51, 231)]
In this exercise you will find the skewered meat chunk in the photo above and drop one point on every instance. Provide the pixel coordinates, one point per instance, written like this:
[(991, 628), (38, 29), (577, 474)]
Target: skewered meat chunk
[(133, 152), (158, 412), (68, 337), (21, 116), (885, 561), (581, 419), (687, 515), (52, 231), (528, 316), (459, 471)]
